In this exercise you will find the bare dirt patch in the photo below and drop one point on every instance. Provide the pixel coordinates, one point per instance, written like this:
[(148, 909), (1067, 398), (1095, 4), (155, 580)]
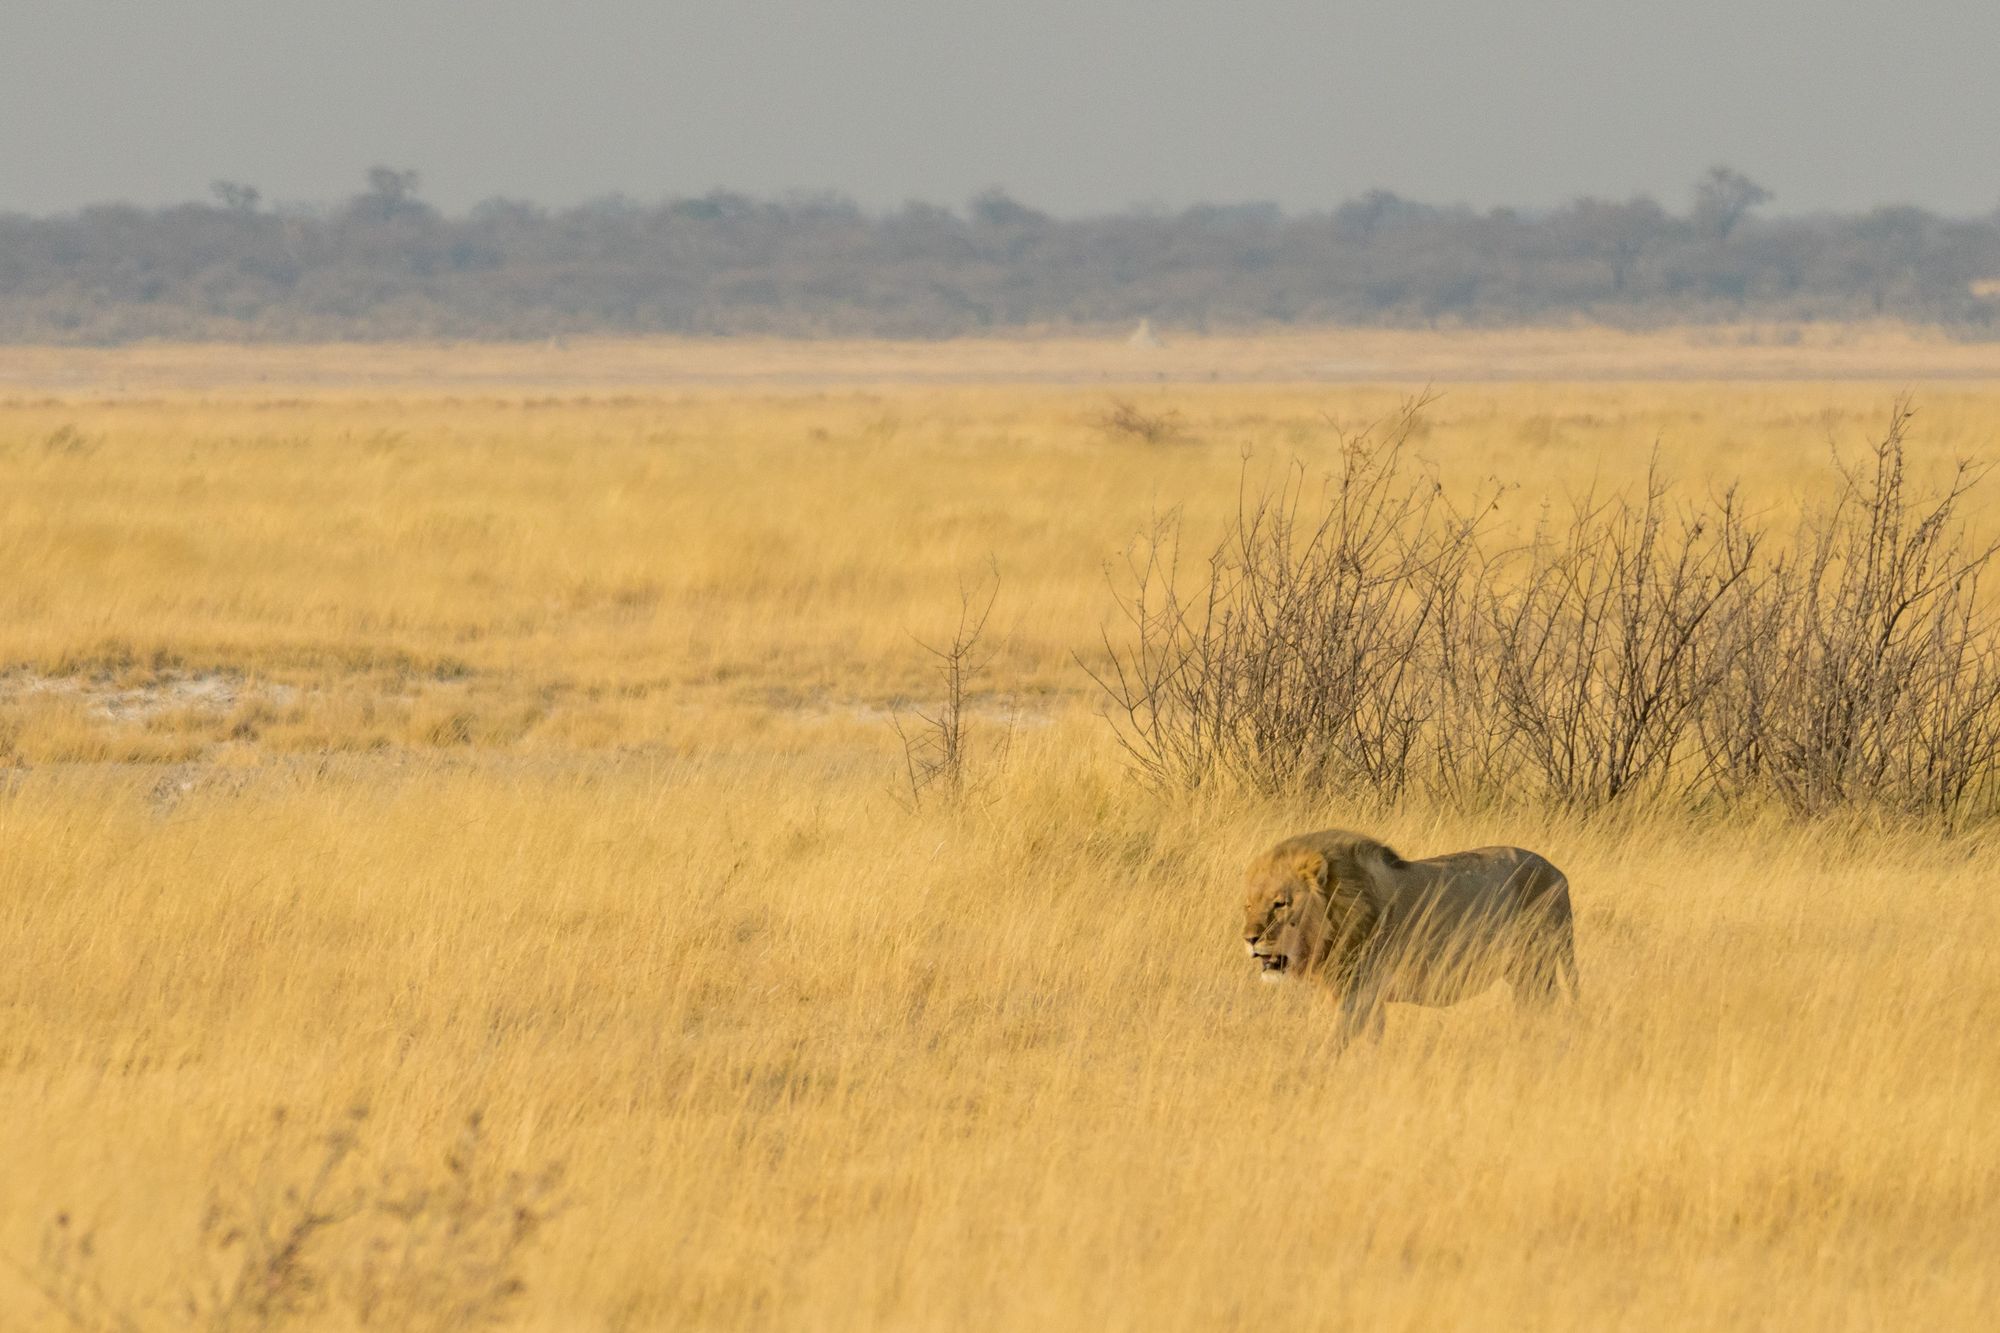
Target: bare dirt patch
[(218, 691)]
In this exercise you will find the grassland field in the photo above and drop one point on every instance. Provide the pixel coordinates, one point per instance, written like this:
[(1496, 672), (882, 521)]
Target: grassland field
[(499, 733)]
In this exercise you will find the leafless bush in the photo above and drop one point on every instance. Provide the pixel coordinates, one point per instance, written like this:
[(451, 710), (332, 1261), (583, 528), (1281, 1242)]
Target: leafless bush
[(1621, 625), (937, 745), (1367, 637), (1882, 682), (1127, 420), (1308, 652), (70, 1276), (289, 1239)]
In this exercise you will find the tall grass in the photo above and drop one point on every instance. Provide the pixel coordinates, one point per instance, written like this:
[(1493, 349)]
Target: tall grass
[(806, 1060), (531, 761)]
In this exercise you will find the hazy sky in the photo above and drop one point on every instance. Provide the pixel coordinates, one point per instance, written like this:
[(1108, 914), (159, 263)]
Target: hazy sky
[(1071, 105)]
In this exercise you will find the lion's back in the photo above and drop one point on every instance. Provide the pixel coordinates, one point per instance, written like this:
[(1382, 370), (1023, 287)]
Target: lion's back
[(1482, 882)]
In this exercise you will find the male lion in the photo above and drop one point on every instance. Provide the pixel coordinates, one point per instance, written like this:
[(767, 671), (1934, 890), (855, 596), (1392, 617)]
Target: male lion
[(1347, 911)]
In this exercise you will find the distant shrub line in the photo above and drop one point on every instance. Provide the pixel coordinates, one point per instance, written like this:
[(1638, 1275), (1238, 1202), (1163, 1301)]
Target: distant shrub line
[(1372, 635), (387, 265)]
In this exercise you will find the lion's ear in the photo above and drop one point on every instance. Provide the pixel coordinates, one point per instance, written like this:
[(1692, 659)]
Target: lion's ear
[(1311, 868)]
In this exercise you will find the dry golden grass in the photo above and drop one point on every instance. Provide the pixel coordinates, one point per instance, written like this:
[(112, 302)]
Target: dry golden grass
[(444, 752)]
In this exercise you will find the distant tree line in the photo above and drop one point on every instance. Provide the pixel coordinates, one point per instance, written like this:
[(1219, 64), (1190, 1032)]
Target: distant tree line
[(388, 265)]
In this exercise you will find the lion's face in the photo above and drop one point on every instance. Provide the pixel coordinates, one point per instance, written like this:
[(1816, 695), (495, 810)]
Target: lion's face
[(1284, 914)]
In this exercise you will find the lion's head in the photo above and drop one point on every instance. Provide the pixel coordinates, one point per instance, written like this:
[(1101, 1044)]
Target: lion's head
[(1305, 902), (1284, 911)]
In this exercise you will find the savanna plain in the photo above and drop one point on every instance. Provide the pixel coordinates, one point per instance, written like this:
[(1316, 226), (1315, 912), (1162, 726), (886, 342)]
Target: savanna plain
[(458, 864)]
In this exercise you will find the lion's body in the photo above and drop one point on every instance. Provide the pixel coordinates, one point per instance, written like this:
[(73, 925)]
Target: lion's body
[(1343, 909)]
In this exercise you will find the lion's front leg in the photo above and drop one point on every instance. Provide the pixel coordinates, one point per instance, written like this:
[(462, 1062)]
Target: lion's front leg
[(1361, 1004)]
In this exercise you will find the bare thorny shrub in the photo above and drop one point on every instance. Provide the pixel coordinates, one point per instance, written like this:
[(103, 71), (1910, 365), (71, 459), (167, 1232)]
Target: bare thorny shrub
[(1370, 636), (1873, 675), (1602, 649), (1127, 420), (937, 745), (301, 1238), (1306, 651)]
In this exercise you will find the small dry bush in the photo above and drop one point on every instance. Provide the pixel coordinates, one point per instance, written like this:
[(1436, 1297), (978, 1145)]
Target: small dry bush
[(1296, 658), (302, 1233), (1126, 420), (937, 745), (1588, 665), (1373, 635), (1869, 669)]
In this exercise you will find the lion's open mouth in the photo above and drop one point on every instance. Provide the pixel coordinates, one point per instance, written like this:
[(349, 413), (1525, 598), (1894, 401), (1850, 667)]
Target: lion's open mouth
[(1272, 962)]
